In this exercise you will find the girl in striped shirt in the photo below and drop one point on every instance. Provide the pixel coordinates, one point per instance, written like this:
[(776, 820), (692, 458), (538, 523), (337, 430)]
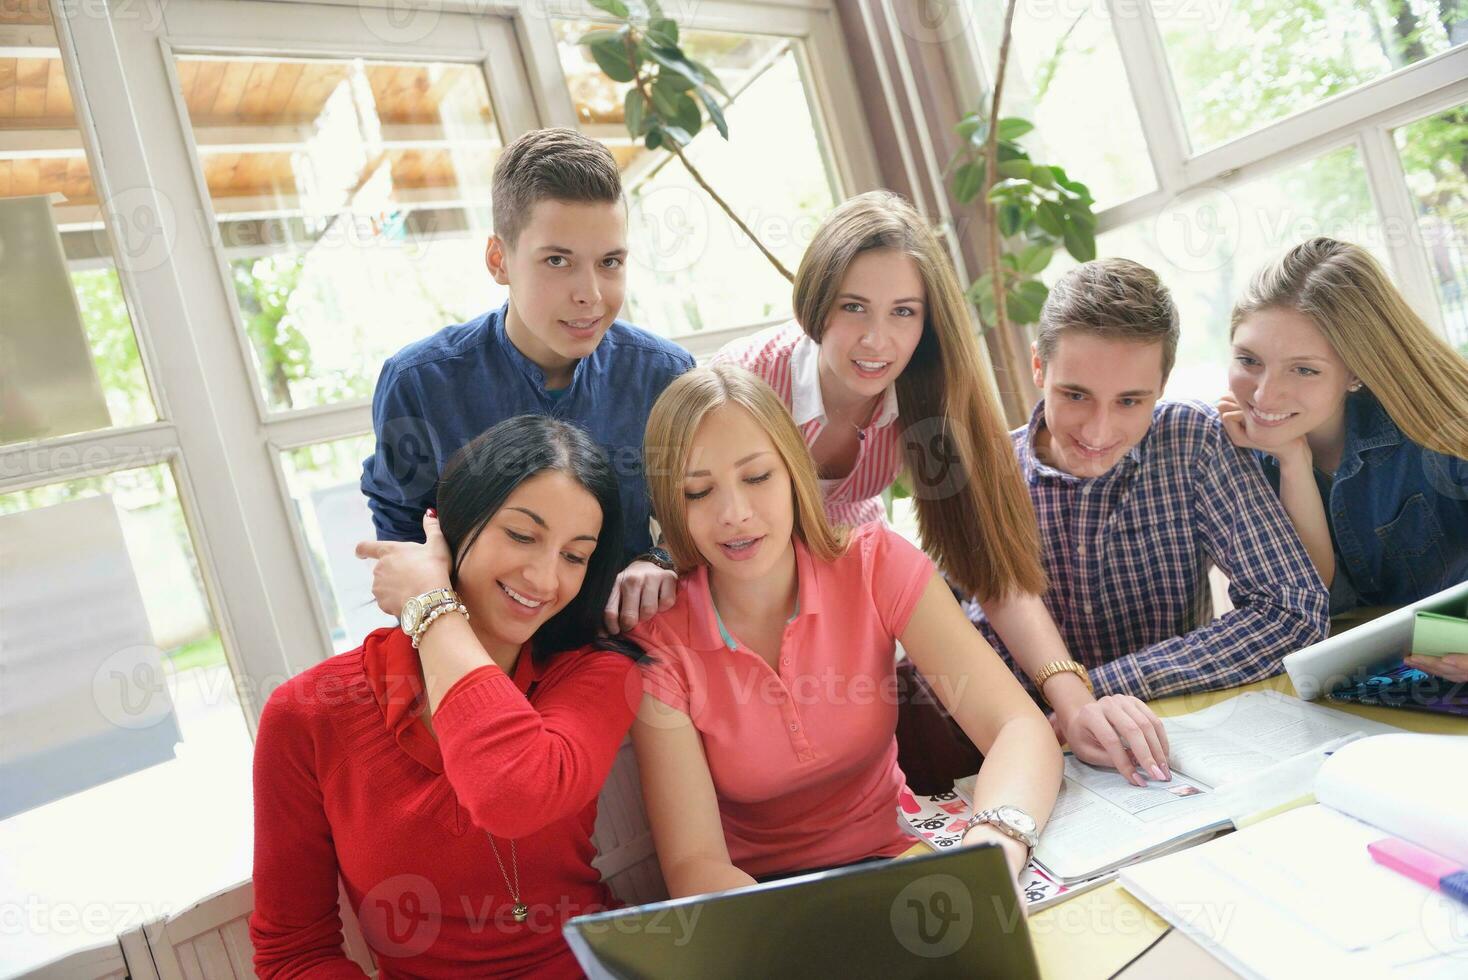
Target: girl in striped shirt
[(881, 370)]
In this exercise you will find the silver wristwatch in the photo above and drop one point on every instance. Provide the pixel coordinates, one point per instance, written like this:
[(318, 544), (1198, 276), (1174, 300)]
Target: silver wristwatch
[(1010, 821)]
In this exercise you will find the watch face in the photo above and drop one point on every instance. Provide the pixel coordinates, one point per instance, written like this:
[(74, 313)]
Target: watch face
[(1018, 819), (412, 612)]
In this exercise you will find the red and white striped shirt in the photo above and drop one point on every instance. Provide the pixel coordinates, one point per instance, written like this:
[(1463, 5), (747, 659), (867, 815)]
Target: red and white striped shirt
[(787, 360)]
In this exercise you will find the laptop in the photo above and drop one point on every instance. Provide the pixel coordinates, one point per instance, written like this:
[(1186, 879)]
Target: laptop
[(952, 914), (1363, 665)]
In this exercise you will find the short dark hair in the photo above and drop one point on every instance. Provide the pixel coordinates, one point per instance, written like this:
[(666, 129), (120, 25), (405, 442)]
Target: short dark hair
[(550, 164), (1116, 299), (480, 477)]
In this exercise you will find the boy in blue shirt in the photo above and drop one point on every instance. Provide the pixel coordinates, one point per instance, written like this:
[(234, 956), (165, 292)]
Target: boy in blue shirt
[(555, 348)]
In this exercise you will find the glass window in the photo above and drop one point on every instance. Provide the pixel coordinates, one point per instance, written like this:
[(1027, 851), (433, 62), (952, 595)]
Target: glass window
[(1061, 68), (690, 268), (352, 202), (1434, 154), (1238, 66), (68, 356), (1207, 244), (119, 716), (325, 486)]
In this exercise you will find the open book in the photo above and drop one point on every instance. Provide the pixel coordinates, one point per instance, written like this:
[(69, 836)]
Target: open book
[(1298, 894), (1221, 759)]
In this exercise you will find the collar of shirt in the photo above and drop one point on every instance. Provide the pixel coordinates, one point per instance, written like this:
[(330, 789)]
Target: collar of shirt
[(1035, 470), (391, 666), (704, 617), (499, 332), (805, 388), (1368, 427)]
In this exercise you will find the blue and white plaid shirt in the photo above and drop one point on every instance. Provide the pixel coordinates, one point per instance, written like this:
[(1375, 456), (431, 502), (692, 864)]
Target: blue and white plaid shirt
[(1128, 553)]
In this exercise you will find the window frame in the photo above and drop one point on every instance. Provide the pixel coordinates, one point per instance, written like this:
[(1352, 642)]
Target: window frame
[(1364, 116), (222, 442)]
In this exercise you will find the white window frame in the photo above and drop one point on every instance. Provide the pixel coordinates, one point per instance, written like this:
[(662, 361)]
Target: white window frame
[(221, 440), (1363, 116)]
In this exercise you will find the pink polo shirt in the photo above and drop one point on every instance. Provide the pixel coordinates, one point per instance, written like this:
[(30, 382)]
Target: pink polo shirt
[(803, 757)]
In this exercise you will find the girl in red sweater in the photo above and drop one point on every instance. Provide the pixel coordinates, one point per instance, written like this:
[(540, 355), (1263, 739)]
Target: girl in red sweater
[(450, 777)]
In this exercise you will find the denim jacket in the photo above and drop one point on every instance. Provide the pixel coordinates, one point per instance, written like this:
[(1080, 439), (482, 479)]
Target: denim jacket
[(1398, 513)]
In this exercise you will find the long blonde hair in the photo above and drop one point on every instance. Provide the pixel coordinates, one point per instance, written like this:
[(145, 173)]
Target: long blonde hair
[(675, 418), (974, 513), (1420, 381)]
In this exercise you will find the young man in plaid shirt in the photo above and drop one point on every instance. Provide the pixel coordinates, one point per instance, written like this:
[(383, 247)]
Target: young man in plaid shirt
[(1136, 498)]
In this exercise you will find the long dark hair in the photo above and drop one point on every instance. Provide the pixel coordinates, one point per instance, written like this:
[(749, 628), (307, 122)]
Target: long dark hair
[(480, 477)]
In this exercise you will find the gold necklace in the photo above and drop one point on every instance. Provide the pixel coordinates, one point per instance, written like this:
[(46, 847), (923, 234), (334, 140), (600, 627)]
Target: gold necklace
[(521, 911)]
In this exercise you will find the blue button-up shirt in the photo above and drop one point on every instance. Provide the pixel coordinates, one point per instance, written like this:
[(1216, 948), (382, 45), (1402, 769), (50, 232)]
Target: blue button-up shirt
[(1128, 554), (437, 394), (1398, 513)]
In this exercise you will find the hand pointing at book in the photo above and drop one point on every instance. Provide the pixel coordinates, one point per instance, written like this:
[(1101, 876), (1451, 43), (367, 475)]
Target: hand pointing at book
[(1450, 667)]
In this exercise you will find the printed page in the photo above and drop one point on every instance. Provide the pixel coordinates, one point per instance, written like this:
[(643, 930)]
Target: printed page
[(1237, 738), (1101, 821)]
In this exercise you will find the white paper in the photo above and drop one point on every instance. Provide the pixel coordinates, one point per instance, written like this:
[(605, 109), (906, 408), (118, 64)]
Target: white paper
[(1299, 895), (1408, 785)]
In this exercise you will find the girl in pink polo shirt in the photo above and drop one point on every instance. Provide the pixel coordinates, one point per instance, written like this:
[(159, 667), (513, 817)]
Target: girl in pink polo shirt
[(765, 738)]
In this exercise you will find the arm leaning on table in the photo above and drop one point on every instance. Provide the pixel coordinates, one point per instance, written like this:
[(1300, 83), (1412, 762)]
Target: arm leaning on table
[(1279, 602), (1022, 761)]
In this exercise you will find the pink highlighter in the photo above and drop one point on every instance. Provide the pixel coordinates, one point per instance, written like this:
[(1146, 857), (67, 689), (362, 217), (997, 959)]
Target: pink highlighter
[(1437, 873)]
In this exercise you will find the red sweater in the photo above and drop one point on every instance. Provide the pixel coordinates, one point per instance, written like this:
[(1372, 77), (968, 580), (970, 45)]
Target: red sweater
[(349, 781)]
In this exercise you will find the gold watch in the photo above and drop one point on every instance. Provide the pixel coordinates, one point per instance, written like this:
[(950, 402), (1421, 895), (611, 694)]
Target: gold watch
[(418, 608), (1062, 667)]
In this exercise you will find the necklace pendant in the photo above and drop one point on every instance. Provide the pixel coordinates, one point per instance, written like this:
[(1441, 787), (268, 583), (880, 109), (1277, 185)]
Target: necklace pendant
[(521, 911)]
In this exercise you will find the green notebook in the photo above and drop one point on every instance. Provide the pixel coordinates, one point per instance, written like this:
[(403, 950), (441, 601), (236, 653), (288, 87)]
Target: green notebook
[(1434, 634)]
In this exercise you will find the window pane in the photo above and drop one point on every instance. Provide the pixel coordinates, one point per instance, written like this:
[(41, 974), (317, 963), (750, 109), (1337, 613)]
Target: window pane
[(1238, 66), (1434, 155), (1060, 69), (690, 267), (1208, 244), (124, 754), (68, 357), (352, 199), (324, 482)]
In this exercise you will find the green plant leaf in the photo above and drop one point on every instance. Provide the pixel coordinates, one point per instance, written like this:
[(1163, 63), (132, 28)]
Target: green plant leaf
[(968, 126), (686, 116), (654, 9), (1020, 309), (673, 60), (1015, 168), (663, 31), (1050, 218), (1007, 189), (981, 289), (1033, 259), (635, 109), (665, 97), (967, 181), (1080, 243), (654, 138), (1043, 177), (611, 57), (1011, 216), (614, 7), (709, 78), (1010, 151), (1014, 128), (1033, 291), (600, 34), (1081, 215), (678, 135), (715, 113)]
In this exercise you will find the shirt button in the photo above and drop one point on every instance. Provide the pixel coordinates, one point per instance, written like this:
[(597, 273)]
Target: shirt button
[(784, 661), (794, 727), (1081, 550), (1087, 608)]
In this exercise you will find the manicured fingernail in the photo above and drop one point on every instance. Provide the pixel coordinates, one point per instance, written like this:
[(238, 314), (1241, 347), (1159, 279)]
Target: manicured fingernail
[(1168, 770), (1157, 774)]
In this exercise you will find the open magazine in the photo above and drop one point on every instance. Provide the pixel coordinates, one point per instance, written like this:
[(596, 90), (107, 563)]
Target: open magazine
[(1298, 894), (1220, 757)]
